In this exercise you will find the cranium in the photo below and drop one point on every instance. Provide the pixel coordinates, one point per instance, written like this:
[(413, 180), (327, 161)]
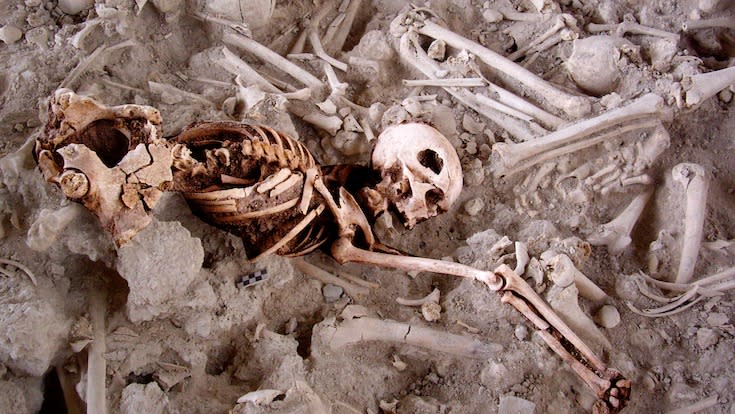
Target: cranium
[(113, 160), (420, 171)]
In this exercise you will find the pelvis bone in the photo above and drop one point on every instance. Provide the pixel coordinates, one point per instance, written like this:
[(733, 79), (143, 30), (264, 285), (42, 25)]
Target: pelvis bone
[(113, 160)]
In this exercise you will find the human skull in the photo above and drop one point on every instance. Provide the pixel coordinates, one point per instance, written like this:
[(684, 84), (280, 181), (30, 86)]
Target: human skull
[(421, 175), (113, 160)]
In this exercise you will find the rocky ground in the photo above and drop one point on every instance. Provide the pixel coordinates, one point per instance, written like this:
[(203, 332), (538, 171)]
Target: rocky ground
[(162, 325)]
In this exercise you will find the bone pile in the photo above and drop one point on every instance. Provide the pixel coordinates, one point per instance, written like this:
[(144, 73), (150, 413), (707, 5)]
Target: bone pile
[(389, 166)]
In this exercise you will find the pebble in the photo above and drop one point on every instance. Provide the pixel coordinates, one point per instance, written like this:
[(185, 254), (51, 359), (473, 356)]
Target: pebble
[(492, 16), (10, 34), (725, 96), (521, 332), (431, 311), (607, 317), (474, 206), (707, 6), (75, 6), (717, 319), (513, 405), (706, 337), (331, 292)]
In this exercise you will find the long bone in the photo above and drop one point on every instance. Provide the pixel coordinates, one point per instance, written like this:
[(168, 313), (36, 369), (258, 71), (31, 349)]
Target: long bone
[(694, 180), (699, 88), (516, 157), (552, 97), (608, 384), (413, 54), (560, 22)]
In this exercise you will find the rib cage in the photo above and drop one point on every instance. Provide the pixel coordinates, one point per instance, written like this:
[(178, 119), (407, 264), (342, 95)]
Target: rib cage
[(254, 182)]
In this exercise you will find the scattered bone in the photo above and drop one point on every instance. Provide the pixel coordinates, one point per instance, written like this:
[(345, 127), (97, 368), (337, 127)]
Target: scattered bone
[(260, 397), (177, 95), (372, 329), (430, 307), (334, 40), (561, 21), (96, 364), (565, 303), (412, 53), (697, 407), (236, 66), (274, 59), (725, 22), (699, 88), (630, 26), (470, 329), (446, 83), (169, 375), (522, 258), (437, 50), (517, 157), (316, 44), (695, 182), (90, 60), (564, 273), (574, 106), (398, 364), (327, 278), (616, 233)]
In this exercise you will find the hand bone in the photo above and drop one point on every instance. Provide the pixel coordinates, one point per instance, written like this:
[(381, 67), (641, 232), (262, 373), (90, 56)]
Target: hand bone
[(695, 182)]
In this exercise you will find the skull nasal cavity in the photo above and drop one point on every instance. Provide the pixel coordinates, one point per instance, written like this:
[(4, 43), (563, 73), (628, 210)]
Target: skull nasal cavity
[(431, 160), (109, 143)]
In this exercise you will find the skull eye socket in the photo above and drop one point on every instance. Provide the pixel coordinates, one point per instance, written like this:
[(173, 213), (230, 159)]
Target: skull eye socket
[(109, 143), (431, 160), (434, 197)]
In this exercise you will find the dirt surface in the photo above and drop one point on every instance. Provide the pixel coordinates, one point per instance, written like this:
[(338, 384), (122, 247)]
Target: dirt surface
[(181, 335)]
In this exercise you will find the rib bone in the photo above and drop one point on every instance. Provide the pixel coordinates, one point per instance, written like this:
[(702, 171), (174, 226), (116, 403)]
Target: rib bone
[(694, 180)]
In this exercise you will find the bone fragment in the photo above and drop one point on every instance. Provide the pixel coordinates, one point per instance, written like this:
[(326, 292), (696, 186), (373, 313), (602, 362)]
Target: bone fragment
[(373, 329), (273, 180), (562, 269), (726, 22), (260, 397), (335, 43), (514, 101), (516, 157), (621, 29), (431, 297), (96, 364), (326, 277), (695, 182), (522, 258), (444, 83), (559, 23), (161, 88), (699, 88), (316, 44), (236, 66), (616, 233), (697, 407), (574, 106), (274, 59), (50, 224)]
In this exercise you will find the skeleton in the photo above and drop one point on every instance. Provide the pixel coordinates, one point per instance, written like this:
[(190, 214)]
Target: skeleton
[(267, 188)]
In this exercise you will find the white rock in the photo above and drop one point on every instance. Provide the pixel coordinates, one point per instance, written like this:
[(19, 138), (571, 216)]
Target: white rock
[(431, 311), (706, 337), (717, 319), (10, 34), (607, 317), (514, 405), (521, 332), (75, 6), (332, 293), (260, 397), (159, 264), (707, 6), (143, 398), (474, 206)]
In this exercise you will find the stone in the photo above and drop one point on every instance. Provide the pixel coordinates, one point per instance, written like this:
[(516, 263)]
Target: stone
[(474, 206), (471, 125), (521, 332), (706, 337), (607, 317), (75, 6), (10, 34), (159, 264), (492, 16), (331, 293), (513, 405), (143, 398), (717, 319), (431, 311)]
